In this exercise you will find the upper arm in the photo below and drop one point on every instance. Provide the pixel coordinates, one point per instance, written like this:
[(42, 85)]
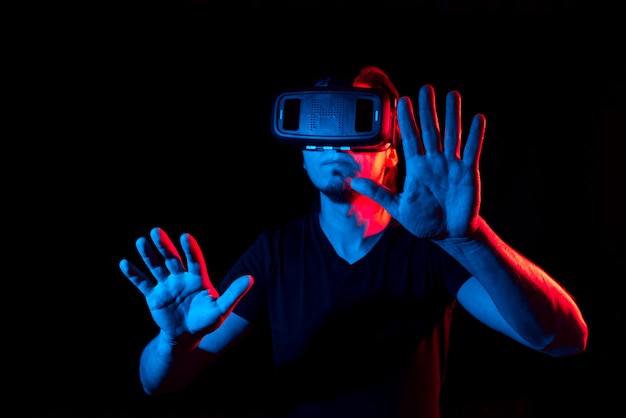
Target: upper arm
[(475, 299)]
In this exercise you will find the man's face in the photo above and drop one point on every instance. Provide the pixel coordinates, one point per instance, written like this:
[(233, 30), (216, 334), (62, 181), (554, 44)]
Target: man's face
[(331, 171)]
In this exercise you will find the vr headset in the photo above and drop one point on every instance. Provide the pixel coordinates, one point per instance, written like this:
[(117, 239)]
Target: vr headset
[(341, 118)]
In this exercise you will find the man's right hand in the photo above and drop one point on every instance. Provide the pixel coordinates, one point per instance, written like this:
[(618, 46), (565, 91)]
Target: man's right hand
[(182, 300)]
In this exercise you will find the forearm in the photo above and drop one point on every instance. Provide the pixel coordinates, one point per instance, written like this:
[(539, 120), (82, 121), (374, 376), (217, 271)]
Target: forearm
[(531, 302), (165, 367)]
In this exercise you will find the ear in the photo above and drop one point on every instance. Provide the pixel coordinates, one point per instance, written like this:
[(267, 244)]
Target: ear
[(392, 157)]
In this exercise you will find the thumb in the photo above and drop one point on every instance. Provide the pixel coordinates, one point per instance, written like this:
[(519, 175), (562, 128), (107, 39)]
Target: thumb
[(377, 192), (231, 296)]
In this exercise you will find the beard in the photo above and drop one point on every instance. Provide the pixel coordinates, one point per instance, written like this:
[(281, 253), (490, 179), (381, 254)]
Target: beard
[(338, 190)]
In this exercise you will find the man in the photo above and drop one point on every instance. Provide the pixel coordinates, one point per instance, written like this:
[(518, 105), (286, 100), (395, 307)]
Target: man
[(358, 294)]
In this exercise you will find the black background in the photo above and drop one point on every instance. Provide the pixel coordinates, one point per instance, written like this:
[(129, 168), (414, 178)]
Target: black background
[(152, 120)]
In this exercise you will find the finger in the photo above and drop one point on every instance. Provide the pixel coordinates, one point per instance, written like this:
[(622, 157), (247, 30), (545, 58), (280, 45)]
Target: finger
[(411, 141), (168, 250), (428, 119), (153, 260), (380, 194), (136, 277), (452, 132), (474, 145), (195, 261), (234, 293)]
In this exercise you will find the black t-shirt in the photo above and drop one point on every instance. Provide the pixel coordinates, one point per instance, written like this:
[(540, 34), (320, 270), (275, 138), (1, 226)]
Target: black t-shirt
[(367, 339)]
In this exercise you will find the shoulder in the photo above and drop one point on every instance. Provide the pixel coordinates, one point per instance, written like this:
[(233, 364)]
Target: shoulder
[(398, 235), (403, 244), (299, 225), (275, 238)]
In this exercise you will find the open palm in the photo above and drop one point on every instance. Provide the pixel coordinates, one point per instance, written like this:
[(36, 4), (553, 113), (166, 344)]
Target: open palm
[(181, 299), (441, 196)]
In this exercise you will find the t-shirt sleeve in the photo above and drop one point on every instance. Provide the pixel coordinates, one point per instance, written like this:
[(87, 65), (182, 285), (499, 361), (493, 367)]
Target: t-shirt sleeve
[(256, 261)]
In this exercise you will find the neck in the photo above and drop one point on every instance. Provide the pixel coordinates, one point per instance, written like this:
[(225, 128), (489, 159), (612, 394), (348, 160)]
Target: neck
[(353, 228)]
